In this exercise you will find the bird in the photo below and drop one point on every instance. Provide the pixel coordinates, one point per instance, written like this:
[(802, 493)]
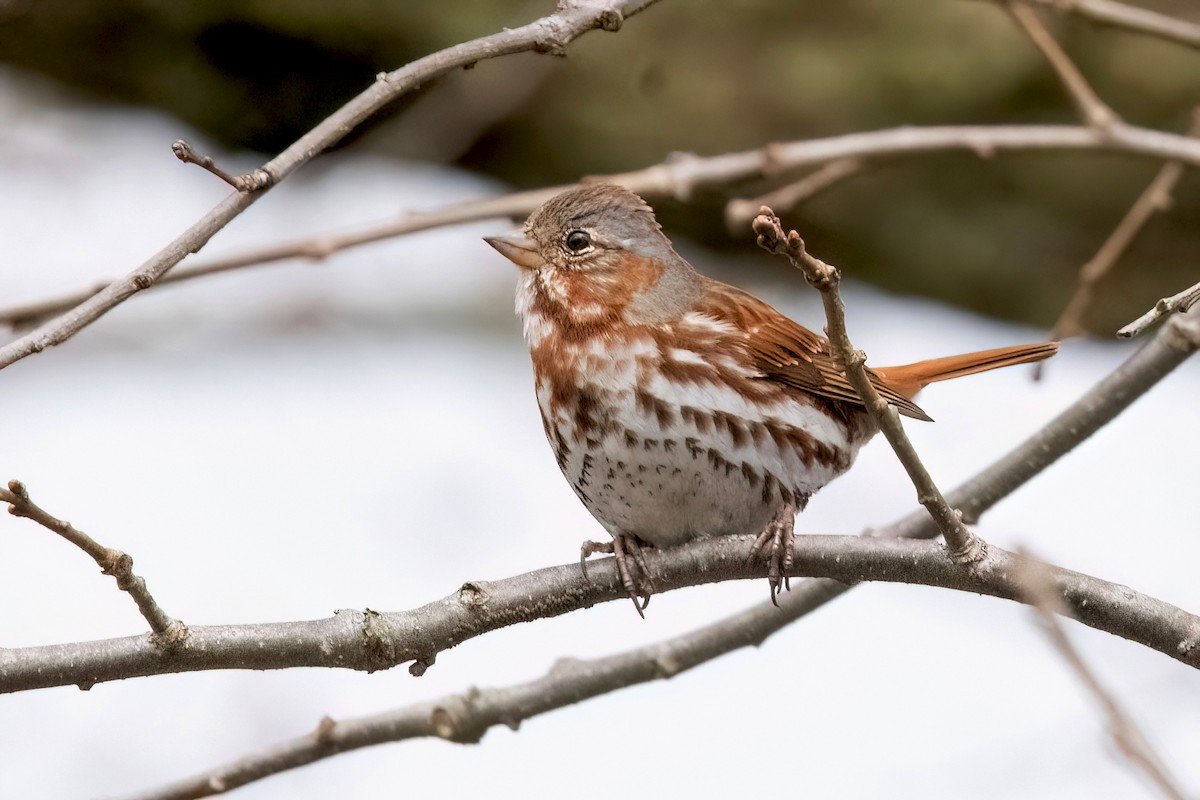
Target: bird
[(679, 407)]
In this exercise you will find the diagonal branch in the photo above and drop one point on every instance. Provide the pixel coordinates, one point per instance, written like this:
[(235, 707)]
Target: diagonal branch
[(1036, 582), (1155, 198), (1130, 18), (372, 641), (168, 632), (552, 34), (963, 546), (740, 212), (1093, 110)]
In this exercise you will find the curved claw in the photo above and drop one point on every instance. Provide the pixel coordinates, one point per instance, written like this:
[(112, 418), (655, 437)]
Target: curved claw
[(626, 549), (777, 544)]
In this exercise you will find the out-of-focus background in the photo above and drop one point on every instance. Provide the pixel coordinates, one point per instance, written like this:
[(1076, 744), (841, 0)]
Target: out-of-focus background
[(703, 77), (279, 442)]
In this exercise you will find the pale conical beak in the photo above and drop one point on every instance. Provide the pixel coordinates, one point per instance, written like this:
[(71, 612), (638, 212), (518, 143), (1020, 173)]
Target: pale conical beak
[(517, 248)]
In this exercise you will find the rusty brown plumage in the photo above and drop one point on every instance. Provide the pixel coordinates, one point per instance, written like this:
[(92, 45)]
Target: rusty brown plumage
[(678, 406)]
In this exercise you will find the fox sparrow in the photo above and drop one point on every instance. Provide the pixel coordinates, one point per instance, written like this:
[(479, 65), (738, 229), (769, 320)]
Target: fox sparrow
[(678, 406)]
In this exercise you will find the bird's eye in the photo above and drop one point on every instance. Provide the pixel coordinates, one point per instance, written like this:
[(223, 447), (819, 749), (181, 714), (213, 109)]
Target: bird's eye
[(578, 241)]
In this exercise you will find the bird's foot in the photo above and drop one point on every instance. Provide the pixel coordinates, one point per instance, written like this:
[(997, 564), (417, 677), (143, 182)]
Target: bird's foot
[(631, 566), (777, 544)]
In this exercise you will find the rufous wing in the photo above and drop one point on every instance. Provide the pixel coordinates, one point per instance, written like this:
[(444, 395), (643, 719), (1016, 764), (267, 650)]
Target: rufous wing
[(794, 356)]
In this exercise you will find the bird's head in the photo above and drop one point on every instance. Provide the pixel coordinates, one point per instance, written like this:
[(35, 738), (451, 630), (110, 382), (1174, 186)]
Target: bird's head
[(595, 253)]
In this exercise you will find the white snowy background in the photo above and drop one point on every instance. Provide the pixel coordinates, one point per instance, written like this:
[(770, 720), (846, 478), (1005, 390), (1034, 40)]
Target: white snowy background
[(288, 440)]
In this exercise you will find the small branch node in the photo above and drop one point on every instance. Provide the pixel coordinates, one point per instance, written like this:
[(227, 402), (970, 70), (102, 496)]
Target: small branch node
[(772, 159), (472, 594), (317, 249), (325, 730), (420, 666), (982, 149), (971, 551), (254, 181), (175, 634), (550, 46), (454, 719), (680, 167), (1166, 306), (250, 182), (667, 664), (18, 488), (610, 19)]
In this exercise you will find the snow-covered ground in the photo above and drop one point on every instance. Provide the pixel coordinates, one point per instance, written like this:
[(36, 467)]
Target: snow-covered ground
[(281, 442)]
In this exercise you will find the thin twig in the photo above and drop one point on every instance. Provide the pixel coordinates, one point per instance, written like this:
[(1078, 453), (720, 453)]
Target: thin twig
[(740, 212), (674, 178), (962, 545), (550, 34), (168, 631), (1036, 581), (252, 181), (1156, 197), (1130, 18), (1175, 304), (378, 641), (1093, 110), (314, 248)]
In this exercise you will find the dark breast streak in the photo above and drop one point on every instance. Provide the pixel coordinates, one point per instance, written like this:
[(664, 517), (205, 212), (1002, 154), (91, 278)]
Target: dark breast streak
[(598, 407)]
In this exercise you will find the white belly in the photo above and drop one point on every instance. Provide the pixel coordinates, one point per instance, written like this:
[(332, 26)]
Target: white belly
[(705, 462)]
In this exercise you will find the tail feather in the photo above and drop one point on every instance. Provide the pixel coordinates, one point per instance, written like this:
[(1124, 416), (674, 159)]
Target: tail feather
[(909, 379)]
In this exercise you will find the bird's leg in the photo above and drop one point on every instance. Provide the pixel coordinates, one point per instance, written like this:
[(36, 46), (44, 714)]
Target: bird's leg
[(777, 543), (626, 549)]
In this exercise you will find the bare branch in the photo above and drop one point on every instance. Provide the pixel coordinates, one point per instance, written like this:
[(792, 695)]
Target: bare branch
[(1155, 198), (1130, 18), (372, 641), (740, 212), (1178, 303), (962, 544), (168, 632), (466, 717), (315, 248), (678, 178), (1093, 110), (1036, 582), (552, 34)]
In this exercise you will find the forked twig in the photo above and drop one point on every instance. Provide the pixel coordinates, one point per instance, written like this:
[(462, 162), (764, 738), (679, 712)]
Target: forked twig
[(1175, 304), (168, 631)]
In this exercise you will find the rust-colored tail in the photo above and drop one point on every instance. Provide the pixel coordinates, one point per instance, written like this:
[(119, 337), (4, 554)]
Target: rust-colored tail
[(909, 379)]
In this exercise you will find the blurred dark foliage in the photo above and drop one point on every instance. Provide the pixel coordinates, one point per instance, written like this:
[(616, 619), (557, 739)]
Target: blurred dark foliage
[(1004, 236)]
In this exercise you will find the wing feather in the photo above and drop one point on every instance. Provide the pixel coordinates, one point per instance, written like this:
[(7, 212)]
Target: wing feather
[(787, 352)]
